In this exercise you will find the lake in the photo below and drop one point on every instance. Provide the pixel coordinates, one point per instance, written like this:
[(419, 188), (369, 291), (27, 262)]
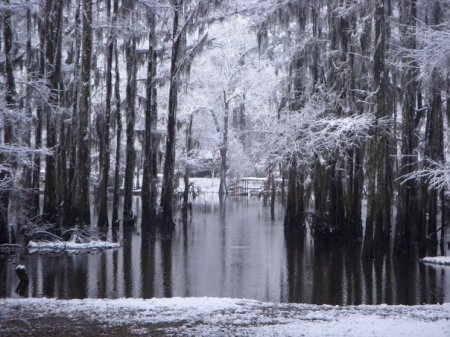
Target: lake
[(231, 251)]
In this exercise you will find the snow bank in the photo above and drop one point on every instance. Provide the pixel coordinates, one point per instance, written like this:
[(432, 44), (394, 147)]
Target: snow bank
[(70, 246), (443, 260), (234, 317)]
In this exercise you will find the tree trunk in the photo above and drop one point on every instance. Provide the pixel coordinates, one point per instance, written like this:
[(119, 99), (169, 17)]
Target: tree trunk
[(10, 98), (224, 148), (74, 123), (434, 150), (187, 168), (384, 168), (168, 175), (80, 210), (379, 204), (28, 107), (294, 221), (53, 56), (272, 195), (115, 212), (104, 150), (5, 176), (368, 242), (148, 186), (407, 201), (448, 99), (128, 216), (38, 131), (63, 189)]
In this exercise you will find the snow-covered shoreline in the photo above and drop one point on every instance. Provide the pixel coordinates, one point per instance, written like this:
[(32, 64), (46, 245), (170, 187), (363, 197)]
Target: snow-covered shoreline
[(70, 246), (226, 317), (441, 260)]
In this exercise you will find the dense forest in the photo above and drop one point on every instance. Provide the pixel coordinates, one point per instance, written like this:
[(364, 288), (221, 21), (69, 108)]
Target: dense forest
[(344, 105)]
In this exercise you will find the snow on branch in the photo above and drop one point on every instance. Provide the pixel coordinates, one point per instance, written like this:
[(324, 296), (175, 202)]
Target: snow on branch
[(304, 136), (315, 130), (186, 62), (436, 175), (351, 8), (21, 155), (432, 51)]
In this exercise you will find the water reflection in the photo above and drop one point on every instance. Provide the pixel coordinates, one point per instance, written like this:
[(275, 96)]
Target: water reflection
[(148, 264), (228, 249)]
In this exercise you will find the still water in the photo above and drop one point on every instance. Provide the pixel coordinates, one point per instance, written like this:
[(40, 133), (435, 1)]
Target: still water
[(230, 251)]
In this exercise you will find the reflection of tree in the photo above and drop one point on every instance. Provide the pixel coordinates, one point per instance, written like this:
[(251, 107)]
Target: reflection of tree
[(127, 265), (78, 280), (353, 274), (328, 276), (295, 268), (379, 277), (3, 274), (186, 225), (166, 254), (102, 275), (368, 280), (388, 293), (406, 278), (148, 264)]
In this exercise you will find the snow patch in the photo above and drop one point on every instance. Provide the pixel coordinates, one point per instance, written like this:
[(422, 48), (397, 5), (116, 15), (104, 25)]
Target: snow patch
[(70, 246), (237, 317), (442, 260)]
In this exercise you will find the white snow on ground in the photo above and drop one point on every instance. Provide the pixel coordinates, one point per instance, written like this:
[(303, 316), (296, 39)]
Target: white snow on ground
[(70, 246), (206, 185), (234, 317), (443, 260)]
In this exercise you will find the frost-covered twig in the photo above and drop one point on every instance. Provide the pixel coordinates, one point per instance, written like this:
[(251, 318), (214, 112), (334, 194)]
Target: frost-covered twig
[(436, 175), (432, 50), (316, 130)]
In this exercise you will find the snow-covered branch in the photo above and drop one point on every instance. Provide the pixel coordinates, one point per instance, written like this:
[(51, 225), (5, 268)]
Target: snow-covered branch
[(432, 50), (436, 175)]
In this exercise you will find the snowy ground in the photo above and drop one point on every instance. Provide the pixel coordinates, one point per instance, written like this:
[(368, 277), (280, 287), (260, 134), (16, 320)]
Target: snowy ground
[(442, 260), (70, 246), (205, 185), (215, 317)]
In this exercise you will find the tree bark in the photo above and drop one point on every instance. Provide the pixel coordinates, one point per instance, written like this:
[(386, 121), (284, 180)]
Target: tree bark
[(168, 175), (380, 176), (115, 212), (104, 150), (10, 98), (294, 221), (407, 202), (128, 215), (149, 211), (224, 148), (434, 150), (74, 123), (80, 210), (187, 168), (53, 56)]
